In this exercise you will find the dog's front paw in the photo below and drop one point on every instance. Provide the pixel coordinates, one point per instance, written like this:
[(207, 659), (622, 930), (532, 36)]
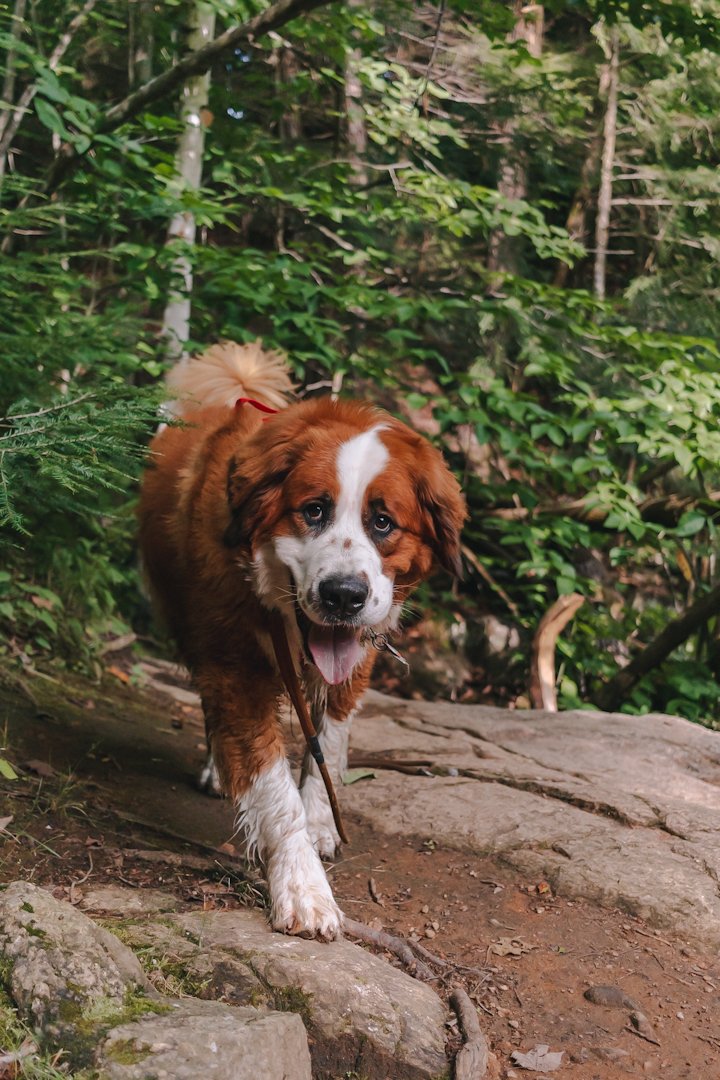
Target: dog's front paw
[(302, 901), (320, 822)]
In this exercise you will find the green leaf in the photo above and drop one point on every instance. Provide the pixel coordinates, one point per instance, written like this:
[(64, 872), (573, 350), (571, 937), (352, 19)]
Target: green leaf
[(50, 117), (6, 770), (691, 523)]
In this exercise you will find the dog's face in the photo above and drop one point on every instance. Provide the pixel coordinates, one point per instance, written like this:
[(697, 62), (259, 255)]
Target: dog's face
[(343, 510)]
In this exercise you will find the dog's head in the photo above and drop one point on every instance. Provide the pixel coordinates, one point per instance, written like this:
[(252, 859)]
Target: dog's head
[(342, 510)]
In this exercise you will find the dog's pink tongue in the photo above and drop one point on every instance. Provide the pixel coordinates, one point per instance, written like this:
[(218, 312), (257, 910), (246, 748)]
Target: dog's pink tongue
[(335, 650)]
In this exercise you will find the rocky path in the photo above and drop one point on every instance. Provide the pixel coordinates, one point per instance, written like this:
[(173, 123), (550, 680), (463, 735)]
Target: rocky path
[(542, 855)]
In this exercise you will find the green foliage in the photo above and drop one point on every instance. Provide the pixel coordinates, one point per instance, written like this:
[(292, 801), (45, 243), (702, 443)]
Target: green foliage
[(440, 269)]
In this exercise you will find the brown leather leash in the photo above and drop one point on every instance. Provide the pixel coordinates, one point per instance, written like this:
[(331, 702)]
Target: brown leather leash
[(292, 685)]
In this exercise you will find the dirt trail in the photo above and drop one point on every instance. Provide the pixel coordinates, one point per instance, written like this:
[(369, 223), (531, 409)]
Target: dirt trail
[(108, 797)]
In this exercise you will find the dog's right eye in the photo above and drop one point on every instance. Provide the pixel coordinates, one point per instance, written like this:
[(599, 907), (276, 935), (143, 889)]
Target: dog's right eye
[(315, 513)]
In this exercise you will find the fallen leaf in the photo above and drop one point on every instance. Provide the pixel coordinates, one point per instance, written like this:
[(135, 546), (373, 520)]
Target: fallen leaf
[(41, 602), (4, 822), (509, 947), (353, 775), (643, 1027), (118, 673), (539, 1059), (40, 768), (372, 889)]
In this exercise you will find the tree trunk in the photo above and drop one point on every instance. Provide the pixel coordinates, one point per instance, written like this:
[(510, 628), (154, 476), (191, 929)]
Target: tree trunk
[(602, 226), (188, 163), (512, 175), (355, 127), (142, 42)]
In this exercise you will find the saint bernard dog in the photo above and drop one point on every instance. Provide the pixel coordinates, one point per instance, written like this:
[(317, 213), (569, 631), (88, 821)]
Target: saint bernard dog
[(326, 512)]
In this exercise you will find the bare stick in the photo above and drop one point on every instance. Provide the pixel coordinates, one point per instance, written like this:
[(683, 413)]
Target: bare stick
[(487, 576), (472, 1059), (412, 953), (392, 943), (654, 654), (542, 657)]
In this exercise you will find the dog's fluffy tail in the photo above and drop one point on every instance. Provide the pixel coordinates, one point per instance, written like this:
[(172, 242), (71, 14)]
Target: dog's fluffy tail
[(228, 371)]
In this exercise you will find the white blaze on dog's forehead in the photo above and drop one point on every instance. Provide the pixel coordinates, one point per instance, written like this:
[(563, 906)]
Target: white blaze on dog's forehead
[(359, 461)]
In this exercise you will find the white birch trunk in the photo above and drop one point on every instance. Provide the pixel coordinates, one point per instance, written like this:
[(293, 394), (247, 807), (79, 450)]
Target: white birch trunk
[(512, 176), (602, 224), (189, 162), (355, 126)]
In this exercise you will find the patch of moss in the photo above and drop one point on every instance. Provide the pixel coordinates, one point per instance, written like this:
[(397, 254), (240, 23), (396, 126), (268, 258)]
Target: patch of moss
[(83, 1026), (6, 970), (27, 907), (292, 999), (125, 1052)]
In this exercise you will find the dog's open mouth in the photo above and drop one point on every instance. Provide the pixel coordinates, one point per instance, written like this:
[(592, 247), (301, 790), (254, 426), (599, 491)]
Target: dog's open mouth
[(335, 650)]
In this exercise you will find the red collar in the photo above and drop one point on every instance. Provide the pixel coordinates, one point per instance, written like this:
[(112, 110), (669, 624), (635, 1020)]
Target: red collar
[(255, 404)]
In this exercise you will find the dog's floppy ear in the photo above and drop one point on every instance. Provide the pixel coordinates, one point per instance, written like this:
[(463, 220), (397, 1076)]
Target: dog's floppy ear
[(254, 485), (255, 504), (442, 509)]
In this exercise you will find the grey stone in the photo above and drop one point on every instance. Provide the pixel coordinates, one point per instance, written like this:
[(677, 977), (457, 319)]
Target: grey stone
[(63, 968), (622, 810), (196, 1039), (362, 1014), (117, 900)]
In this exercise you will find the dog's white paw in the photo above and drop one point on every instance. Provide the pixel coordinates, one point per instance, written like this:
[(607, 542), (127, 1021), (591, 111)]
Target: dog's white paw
[(320, 822), (302, 900), (208, 778)]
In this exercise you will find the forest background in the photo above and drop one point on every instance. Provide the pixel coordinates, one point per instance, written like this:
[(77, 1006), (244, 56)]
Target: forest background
[(498, 220)]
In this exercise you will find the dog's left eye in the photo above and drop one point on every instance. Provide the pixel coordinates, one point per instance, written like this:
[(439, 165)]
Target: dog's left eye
[(383, 524), (314, 513)]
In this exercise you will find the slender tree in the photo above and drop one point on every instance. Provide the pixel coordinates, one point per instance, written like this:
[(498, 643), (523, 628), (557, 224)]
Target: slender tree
[(188, 164), (602, 226)]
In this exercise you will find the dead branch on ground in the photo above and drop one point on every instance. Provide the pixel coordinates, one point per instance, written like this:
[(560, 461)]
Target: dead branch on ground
[(471, 1061), (542, 657)]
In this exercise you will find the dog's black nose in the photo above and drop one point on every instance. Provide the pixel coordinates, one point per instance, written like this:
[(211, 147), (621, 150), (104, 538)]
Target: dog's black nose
[(343, 597)]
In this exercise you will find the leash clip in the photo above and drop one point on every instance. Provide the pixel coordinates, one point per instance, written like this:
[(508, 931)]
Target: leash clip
[(381, 642)]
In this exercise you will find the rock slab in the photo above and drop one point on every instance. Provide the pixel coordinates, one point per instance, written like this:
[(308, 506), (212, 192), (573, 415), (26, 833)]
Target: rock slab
[(62, 966), (207, 1039), (621, 810), (362, 1015)]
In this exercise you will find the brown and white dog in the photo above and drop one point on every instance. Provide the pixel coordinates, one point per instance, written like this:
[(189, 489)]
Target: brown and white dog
[(328, 512)]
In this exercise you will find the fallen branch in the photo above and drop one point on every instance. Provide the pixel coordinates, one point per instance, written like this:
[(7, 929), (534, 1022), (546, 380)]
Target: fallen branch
[(412, 953), (675, 633), (472, 1059), (659, 509), (394, 944), (542, 657), (487, 576)]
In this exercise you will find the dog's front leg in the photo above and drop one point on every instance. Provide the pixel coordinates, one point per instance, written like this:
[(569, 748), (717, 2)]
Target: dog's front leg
[(334, 727), (253, 768)]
